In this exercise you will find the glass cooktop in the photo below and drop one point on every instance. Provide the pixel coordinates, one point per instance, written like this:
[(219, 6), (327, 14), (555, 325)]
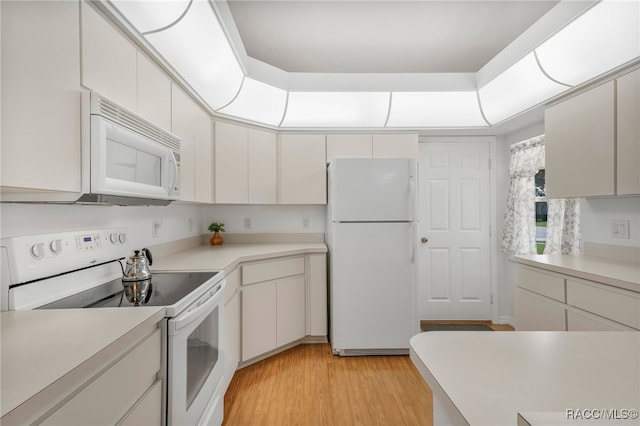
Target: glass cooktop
[(163, 289)]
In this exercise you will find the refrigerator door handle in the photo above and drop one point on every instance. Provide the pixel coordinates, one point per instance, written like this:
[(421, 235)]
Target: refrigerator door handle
[(412, 198), (414, 235)]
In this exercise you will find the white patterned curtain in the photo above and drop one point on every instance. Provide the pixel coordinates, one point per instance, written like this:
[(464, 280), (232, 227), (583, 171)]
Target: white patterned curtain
[(519, 231), (563, 227)]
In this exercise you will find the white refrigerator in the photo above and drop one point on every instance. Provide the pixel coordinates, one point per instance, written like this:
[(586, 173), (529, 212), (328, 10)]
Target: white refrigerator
[(371, 236)]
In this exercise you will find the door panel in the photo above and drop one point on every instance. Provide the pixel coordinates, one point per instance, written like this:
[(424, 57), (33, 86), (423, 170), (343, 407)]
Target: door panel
[(454, 262)]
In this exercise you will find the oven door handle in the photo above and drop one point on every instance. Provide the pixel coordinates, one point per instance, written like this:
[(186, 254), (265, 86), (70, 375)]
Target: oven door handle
[(204, 307)]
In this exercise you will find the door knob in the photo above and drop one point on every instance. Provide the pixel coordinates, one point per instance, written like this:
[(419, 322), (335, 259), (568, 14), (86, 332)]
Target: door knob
[(424, 240)]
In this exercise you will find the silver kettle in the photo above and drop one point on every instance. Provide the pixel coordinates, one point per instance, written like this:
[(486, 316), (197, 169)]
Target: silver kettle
[(138, 266)]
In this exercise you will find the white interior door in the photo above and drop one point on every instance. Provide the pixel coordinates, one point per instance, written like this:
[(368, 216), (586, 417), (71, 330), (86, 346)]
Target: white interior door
[(454, 253)]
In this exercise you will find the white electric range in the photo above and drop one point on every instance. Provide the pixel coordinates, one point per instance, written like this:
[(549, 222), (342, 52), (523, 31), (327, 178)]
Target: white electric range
[(83, 269)]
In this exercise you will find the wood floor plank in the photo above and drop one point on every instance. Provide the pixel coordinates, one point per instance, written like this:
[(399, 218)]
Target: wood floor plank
[(308, 385)]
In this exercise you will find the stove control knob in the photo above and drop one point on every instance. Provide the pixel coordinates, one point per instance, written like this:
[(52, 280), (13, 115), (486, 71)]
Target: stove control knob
[(37, 251), (113, 238), (123, 238), (56, 246)]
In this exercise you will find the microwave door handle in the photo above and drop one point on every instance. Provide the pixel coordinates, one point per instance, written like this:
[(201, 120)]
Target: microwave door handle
[(174, 180), (204, 309)]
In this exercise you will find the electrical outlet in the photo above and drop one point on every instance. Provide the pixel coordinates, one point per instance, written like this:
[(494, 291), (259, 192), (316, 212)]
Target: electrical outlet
[(306, 223), (155, 227), (247, 223), (620, 229)]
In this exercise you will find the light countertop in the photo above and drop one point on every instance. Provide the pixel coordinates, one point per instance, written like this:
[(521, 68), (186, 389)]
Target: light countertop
[(607, 271), (227, 256), (490, 377), (41, 347)]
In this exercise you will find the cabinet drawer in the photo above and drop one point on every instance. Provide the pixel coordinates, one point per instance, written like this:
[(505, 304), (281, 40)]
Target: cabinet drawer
[(541, 282), (106, 399), (578, 320), (271, 270), (615, 304)]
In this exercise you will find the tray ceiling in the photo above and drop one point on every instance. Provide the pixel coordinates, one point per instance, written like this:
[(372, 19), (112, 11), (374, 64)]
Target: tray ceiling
[(381, 36)]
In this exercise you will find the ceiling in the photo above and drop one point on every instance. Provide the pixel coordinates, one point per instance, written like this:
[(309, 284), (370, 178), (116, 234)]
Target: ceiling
[(362, 36)]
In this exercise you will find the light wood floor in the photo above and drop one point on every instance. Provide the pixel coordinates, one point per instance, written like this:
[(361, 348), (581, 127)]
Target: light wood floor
[(307, 385)]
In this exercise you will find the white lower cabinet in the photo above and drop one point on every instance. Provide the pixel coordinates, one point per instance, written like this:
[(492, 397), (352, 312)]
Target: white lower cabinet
[(232, 326), (258, 319), (538, 313), (127, 392), (283, 301), (546, 300)]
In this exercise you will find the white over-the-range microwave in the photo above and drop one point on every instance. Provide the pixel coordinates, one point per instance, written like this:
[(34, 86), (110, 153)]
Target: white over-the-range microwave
[(126, 160)]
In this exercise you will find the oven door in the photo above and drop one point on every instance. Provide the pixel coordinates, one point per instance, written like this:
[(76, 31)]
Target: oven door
[(195, 362)]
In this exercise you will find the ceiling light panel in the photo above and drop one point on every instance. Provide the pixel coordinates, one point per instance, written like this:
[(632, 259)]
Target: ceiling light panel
[(199, 51), (519, 88), (336, 109), (258, 102), (435, 109), (151, 15), (603, 38)]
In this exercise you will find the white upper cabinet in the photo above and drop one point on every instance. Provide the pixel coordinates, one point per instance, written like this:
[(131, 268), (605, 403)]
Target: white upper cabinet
[(302, 173), (262, 167), (154, 93), (349, 146), (245, 165), (193, 126), (401, 145), (40, 96), (397, 145), (109, 60), (231, 165), (580, 144), (628, 131)]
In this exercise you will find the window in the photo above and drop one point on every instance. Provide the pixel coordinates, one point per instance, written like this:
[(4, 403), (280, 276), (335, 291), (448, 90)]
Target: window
[(541, 211)]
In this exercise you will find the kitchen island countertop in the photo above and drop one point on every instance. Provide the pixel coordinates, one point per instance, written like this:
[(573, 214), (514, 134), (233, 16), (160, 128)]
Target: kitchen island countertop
[(44, 353), (487, 378)]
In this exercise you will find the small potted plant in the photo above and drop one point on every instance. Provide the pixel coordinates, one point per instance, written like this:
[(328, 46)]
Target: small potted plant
[(216, 228)]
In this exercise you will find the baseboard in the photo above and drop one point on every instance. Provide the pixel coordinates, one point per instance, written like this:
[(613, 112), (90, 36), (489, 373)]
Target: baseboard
[(506, 320)]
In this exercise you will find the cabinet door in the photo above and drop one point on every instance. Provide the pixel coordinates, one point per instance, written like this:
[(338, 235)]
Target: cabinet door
[(584, 321), (302, 169), (193, 125), (579, 145), (109, 60), (395, 146), (537, 313), (262, 173), (181, 126), (349, 146), (291, 322), (231, 163), (317, 275), (258, 319), (148, 411), (233, 331), (40, 95), (628, 144), (154, 93), (203, 140)]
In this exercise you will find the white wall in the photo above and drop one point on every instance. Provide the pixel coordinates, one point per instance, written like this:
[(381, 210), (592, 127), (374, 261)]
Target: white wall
[(267, 218), (506, 268), (24, 219), (597, 214)]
